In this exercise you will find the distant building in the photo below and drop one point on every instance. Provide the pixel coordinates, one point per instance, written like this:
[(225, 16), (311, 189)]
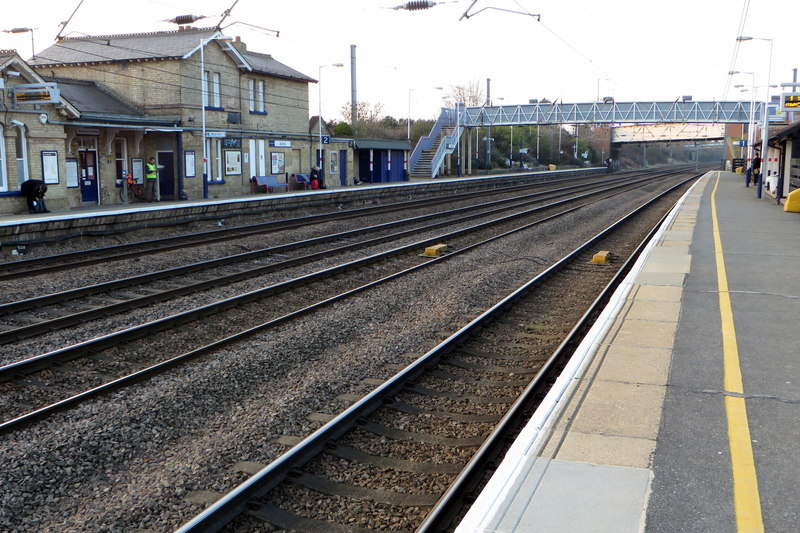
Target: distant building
[(255, 108)]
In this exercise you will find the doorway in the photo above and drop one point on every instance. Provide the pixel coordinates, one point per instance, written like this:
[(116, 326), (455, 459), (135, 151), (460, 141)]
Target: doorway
[(166, 175), (87, 170)]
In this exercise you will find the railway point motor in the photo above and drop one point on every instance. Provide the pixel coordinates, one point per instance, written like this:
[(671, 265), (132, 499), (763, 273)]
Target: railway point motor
[(435, 251), (603, 257)]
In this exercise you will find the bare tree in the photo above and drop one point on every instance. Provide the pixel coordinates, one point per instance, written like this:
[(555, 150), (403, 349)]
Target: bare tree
[(470, 94), (367, 112)]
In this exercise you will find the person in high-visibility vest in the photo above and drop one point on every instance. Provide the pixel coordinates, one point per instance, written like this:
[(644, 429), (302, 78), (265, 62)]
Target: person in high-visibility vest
[(151, 180)]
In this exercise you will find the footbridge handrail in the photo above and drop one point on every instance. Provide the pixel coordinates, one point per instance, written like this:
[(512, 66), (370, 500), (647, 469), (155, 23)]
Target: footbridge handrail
[(610, 113)]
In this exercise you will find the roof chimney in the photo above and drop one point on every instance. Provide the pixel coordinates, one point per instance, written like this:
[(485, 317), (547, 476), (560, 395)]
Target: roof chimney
[(238, 44)]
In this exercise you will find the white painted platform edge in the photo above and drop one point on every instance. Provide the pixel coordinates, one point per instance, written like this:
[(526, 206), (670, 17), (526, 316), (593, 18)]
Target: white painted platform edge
[(495, 498)]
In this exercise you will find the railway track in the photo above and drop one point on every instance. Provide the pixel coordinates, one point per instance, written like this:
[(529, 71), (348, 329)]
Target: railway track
[(35, 316), (127, 356), (48, 264), (407, 456)]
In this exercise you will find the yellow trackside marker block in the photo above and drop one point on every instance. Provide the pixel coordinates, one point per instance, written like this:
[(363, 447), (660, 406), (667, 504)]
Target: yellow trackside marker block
[(602, 257), (435, 250)]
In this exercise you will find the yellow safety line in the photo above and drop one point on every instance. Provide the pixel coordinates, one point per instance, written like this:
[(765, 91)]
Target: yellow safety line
[(746, 500)]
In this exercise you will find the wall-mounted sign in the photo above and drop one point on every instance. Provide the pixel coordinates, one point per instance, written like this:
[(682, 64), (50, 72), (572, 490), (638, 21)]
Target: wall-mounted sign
[(36, 93), (231, 143), (790, 101), (50, 166), (280, 144)]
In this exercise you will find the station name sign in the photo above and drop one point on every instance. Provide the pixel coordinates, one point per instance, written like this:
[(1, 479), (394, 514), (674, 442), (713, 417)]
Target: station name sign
[(36, 93)]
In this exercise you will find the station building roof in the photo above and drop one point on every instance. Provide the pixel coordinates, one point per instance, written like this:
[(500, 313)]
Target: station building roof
[(381, 144), (179, 44), (97, 104)]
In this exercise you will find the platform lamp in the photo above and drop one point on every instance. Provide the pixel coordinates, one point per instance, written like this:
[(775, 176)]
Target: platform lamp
[(319, 98), (765, 116), (751, 121), (204, 102), (24, 30), (409, 108)]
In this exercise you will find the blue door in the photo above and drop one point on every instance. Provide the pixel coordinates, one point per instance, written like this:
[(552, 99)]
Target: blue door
[(87, 171), (382, 165), (397, 172)]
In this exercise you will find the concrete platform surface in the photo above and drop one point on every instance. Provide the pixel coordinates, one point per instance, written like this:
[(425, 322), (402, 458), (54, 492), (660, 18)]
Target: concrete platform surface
[(684, 413)]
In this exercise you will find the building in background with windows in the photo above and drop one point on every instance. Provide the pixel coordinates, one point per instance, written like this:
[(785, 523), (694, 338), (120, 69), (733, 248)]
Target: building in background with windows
[(134, 96), (32, 142)]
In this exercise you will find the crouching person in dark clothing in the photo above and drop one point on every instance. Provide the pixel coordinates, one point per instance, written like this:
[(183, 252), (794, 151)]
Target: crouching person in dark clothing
[(34, 191)]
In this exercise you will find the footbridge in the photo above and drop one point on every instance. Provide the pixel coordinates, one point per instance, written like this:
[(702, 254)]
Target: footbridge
[(672, 117)]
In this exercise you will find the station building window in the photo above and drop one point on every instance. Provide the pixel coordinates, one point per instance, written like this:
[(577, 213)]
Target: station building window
[(213, 166), (3, 175), (121, 155), (211, 87), (257, 96), (22, 155)]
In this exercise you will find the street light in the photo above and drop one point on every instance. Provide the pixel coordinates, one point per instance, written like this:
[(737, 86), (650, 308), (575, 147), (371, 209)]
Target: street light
[(459, 107), (765, 117), (598, 87), (409, 107), (204, 102), (319, 157), (24, 30), (751, 122)]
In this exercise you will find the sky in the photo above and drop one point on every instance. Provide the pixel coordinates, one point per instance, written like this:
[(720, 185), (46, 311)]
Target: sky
[(575, 51)]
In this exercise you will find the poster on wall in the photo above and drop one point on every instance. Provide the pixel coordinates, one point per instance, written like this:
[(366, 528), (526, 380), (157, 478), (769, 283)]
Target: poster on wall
[(137, 170), (72, 172), (333, 162), (188, 159), (50, 166), (233, 162), (278, 162)]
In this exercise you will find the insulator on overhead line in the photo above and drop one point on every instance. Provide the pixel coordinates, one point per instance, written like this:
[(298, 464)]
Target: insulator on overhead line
[(186, 19), (416, 5)]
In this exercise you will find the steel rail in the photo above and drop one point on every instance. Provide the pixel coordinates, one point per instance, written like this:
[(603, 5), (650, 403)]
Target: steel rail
[(30, 330), (26, 267), (453, 501), (99, 344), (237, 501)]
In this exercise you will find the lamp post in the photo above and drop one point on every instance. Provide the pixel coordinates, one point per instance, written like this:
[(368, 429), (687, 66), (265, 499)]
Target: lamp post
[(204, 102), (319, 101), (408, 134), (598, 87), (459, 105), (750, 136), (765, 116), (24, 30)]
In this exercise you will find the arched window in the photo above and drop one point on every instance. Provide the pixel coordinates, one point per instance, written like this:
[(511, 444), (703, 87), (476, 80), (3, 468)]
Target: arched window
[(3, 172), (22, 155)]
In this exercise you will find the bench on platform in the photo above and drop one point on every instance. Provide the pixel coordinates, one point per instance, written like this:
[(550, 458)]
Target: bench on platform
[(268, 182), (300, 181)]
